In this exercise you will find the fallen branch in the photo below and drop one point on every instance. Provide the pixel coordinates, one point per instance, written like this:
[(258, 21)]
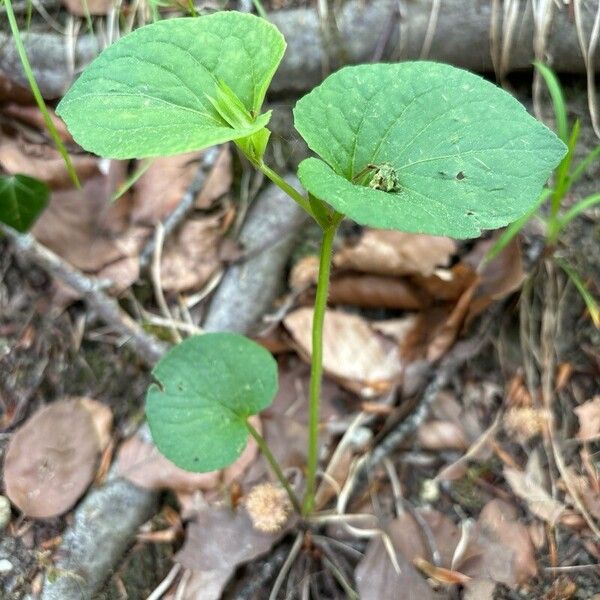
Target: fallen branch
[(144, 345), (460, 34)]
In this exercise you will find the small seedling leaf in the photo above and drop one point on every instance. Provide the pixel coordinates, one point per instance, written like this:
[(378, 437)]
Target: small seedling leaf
[(22, 199), (164, 88), (463, 154), (206, 388)]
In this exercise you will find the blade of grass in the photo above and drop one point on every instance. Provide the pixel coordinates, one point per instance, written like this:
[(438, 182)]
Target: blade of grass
[(583, 166), (260, 9), (581, 206), (590, 302), (513, 229), (131, 179), (562, 179), (37, 94), (558, 100)]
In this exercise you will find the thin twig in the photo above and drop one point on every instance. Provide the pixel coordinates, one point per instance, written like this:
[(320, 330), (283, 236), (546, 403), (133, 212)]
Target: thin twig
[(207, 162), (148, 348), (165, 584), (287, 565)]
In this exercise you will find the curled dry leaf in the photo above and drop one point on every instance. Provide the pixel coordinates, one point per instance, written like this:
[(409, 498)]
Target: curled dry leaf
[(589, 419), (374, 291), (31, 114), (139, 461), (51, 460), (191, 255), (396, 253), (353, 352)]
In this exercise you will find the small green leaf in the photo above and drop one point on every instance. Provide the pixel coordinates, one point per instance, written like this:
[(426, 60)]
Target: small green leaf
[(164, 88), (207, 387), (463, 154), (22, 199)]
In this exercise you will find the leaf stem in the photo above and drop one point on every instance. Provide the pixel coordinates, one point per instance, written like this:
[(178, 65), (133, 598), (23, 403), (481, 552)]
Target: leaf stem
[(316, 368), (293, 193), (264, 448), (36, 92)]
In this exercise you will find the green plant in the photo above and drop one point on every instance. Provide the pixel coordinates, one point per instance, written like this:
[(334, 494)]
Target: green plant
[(22, 199), (417, 146), (566, 175)]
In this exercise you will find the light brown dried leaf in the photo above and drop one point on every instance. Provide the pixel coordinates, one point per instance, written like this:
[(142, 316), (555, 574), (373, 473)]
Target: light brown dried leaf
[(377, 579), (191, 255), (438, 435), (102, 418), (588, 414), (539, 501), (395, 253), (353, 351), (500, 548), (51, 459), (439, 574), (377, 292), (83, 8), (45, 163), (140, 462)]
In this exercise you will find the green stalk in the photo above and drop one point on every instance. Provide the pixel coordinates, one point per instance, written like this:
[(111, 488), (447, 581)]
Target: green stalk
[(36, 92), (294, 194), (264, 448), (316, 367)]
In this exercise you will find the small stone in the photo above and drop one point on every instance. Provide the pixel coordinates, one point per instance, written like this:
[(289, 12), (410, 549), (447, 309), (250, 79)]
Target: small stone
[(6, 566), (5, 513), (430, 491)]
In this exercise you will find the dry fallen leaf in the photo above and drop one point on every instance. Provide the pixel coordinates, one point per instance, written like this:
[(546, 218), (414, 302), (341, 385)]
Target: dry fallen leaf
[(396, 253), (500, 548), (528, 487), (31, 114), (377, 578), (191, 255), (83, 8), (139, 461), (353, 351), (218, 541), (588, 414), (438, 435), (162, 186), (52, 458), (44, 163)]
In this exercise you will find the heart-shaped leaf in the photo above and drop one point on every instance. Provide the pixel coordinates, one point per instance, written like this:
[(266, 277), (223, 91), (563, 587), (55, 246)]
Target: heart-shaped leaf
[(207, 387), (173, 86), (22, 199), (423, 147)]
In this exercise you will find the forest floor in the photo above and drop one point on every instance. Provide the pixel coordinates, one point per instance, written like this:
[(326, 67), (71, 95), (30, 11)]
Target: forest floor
[(477, 389)]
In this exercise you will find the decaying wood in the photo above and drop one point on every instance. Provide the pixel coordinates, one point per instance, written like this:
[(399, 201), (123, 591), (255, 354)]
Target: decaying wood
[(368, 31)]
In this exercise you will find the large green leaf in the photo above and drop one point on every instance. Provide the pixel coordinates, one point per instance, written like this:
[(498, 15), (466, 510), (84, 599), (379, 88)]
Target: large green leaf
[(22, 199), (466, 154), (153, 93), (207, 387)]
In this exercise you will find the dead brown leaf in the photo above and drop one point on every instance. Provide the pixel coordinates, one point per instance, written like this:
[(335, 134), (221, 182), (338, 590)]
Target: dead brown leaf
[(52, 458), (395, 253), (140, 462), (439, 574), (353, 352), (377, 291), (217, 542), (44, 163), (438, 435), (588, 414), (191, 255), (528, 486), (31, 114), (83, 8), (160, 189), (377, 578), (500, 548)]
